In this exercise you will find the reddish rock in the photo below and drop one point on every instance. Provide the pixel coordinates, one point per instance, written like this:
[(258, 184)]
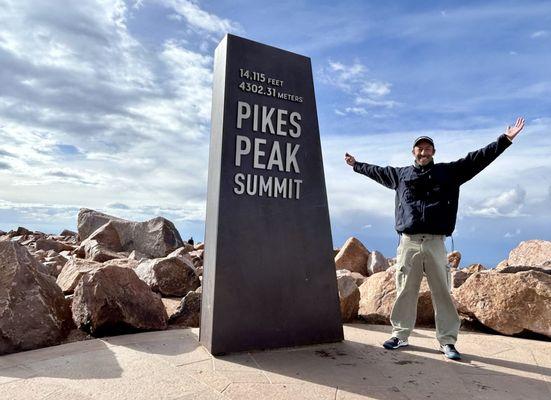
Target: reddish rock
[(199, 246), (508, 303), (376, 262), (531, 253), (154, 238), (359, 279), (171, 305), (196, 257), (50, 244), (377, 296), (184, 252), (353, 257), (471, 269), (113, 300), (454, 258), (459, 277), (33, 310), (349, 298), (189, 311), (73, 271), (68, 233), (122, 262), (169, 276)]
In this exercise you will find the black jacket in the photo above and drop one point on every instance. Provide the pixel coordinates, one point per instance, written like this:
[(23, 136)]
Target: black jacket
[(427, 197)]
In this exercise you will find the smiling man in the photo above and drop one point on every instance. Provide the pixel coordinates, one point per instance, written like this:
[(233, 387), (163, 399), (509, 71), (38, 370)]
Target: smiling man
[(427, 196)]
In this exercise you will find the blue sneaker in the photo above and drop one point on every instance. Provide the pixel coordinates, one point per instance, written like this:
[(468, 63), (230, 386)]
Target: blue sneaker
[(450, 352), (394, 343)]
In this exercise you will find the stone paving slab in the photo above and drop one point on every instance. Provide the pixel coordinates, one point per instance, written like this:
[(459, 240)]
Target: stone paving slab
[(172, 365)]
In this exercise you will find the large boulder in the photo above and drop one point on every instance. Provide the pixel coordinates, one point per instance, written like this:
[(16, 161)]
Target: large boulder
[(377, 296), (531, 253), (376, 262), (155, 238), (102, 245), (508, 303), (113, 300), (169, 276), (349, 298), (73, 270), (352, 256), (188, 312), (33, 310)]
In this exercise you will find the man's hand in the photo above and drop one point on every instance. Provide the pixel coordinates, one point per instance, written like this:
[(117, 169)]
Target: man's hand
[(350, 160), (513, 131)]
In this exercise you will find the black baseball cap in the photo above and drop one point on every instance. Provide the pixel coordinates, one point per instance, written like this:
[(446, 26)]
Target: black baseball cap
[(423, 139)]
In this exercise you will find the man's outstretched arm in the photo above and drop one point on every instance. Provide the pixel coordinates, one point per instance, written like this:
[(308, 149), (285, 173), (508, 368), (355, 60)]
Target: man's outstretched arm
[(386, 176), (474, 162)]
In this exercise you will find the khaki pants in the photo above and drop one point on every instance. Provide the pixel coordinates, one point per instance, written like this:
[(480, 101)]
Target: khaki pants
[(418, 254)]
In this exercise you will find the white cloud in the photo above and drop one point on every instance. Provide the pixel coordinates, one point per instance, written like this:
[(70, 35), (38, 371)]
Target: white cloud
[(199, 18), (539, 34), (355, 81), (506, 204), (91, 116), (512, 234)]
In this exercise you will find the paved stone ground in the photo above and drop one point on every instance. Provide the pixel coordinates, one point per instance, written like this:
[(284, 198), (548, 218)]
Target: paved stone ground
[(172, 365)]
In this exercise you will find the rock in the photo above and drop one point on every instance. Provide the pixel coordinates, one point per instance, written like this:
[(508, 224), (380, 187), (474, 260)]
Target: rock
[(122, 262), (359, 279), (155, 238), (102, 245), (189, 311), (136, 255), (67, 232), (508, 303), (74, 269), (54, 263), (20, 231), (377, 296), (459, 277), (531, 253), (352, 256), (186, 248), (199, 246), (169, 276), (502, 264), (171, 305), (512, 269), (196, 257), (94, 251), (113, 300), (471, 269), (33, 310), (454, 258), (349, 298), (376, 262), (50, 244), (184, 254)]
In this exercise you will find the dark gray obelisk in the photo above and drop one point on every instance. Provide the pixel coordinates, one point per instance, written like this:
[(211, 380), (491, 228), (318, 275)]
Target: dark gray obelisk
[(269, 275)]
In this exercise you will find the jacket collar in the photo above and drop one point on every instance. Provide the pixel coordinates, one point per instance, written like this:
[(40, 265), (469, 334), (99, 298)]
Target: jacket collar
[(423, 168)]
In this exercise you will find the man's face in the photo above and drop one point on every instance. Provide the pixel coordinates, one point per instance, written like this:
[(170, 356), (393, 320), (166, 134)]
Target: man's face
[(423, 153)]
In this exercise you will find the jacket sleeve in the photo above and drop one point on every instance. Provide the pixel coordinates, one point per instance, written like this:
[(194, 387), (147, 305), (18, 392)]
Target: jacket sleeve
[(466, 168), (386, 176)]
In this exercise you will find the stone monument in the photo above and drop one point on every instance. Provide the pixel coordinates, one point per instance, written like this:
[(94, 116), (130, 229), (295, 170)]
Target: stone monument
[(269, 274)]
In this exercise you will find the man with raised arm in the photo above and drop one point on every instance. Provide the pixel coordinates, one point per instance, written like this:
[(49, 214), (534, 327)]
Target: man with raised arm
[(426, 201)]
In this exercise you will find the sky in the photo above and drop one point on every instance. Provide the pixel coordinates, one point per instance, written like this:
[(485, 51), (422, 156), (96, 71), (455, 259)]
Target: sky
[(106, 105)]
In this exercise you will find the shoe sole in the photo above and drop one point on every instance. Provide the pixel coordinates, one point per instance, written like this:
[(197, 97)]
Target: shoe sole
[(395, 347)]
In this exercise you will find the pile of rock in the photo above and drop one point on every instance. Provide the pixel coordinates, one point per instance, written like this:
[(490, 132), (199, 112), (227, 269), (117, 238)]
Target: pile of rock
[(113, 276), (513, 298)]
